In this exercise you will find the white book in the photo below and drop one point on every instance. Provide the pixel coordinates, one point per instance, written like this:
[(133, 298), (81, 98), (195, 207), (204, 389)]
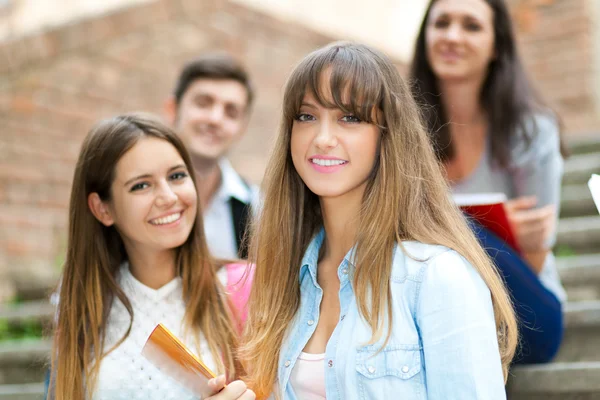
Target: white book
[(594, 184)]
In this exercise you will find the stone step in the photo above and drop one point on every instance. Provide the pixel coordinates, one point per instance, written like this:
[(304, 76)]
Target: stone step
[(579, 168), (580, 276), (576, 201), (589, 143), (581, 342), (555, 381), (24, 361), (582, 234), (40, 310), (25, 391)]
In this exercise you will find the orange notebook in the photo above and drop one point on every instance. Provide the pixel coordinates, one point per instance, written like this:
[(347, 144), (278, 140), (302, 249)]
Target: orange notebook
[(488, 210), (172, 358)]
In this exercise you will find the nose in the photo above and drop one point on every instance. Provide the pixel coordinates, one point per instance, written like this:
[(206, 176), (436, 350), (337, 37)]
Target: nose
[(326, 138), (216, 113), (454, 33), (165, 196)]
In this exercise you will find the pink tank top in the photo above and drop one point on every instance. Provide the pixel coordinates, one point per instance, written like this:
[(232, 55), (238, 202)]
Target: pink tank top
[(239, 283), (308, 377)]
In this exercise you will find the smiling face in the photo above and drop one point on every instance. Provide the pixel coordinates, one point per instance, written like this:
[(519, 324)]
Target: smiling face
[(333, 152), (153, 201), (212, 116), (460, 39)]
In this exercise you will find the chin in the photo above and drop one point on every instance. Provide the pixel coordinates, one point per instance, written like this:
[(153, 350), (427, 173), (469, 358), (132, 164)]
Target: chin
[(323, 190), (174, 243)]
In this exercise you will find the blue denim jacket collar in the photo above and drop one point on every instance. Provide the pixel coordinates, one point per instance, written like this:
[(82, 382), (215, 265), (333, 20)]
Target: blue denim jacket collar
[(310, 260)]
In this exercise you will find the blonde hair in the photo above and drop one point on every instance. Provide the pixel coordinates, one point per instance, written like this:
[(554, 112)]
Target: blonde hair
[(407, 198), (95, 252)]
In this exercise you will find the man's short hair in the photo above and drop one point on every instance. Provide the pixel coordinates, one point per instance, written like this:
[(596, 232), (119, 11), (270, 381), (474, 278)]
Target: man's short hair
[(220, 66)]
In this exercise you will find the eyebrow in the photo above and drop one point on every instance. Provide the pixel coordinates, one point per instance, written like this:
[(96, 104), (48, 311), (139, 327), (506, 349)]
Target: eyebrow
[(309, 105), (130, 181)]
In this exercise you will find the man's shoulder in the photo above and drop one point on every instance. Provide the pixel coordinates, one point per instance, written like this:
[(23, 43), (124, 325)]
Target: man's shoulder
[(236, 186)]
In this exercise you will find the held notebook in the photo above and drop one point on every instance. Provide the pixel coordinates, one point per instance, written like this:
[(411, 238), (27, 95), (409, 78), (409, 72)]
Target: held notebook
[(594, 184), (488, 210), (172, 358)]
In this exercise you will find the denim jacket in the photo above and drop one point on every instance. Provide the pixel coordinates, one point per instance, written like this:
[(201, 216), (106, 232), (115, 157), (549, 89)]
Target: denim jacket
[(443, 342)]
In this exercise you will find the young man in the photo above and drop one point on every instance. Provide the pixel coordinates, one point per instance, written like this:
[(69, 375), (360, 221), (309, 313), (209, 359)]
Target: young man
[(210, 108)]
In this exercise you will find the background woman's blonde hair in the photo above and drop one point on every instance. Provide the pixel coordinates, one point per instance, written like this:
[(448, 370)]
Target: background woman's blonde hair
[(95, 252), (407, 198)]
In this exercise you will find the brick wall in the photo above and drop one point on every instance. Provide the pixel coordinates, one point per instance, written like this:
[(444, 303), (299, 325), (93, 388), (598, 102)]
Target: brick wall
[(558, 41), (55, 85)]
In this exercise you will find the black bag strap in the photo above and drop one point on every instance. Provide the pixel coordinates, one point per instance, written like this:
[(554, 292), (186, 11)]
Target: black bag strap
[(240, 212)]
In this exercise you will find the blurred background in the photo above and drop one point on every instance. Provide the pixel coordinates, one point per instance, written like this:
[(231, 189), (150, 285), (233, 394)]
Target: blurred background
[(64, 64)]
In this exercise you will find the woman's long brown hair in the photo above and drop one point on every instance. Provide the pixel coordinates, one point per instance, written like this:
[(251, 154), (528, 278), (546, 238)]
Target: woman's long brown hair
[(95, 252), (406, 198)]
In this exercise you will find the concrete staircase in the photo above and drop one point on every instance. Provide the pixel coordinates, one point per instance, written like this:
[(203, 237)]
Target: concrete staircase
[(574, 375)]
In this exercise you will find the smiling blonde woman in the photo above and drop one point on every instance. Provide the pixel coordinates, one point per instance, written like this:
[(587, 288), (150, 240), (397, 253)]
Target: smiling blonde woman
[(369, 283)]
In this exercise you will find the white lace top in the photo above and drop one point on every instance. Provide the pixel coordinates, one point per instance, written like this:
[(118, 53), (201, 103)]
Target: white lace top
[(124, 373)]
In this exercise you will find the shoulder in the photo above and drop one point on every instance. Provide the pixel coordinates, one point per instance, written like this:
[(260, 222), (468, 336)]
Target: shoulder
[(411, 257), (234, 185), (538, 136), (435, 266)]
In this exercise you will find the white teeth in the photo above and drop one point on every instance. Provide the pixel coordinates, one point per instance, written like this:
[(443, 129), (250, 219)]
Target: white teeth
[(327, 163), (166, 220)]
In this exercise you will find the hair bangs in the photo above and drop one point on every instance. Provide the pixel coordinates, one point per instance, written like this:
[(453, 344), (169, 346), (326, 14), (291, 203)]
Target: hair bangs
[(339, 76)]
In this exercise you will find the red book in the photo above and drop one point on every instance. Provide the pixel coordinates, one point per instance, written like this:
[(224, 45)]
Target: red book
[(488, 210)]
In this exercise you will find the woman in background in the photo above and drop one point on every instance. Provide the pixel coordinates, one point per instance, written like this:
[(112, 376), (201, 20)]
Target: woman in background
[(493, 134), (137, 257)]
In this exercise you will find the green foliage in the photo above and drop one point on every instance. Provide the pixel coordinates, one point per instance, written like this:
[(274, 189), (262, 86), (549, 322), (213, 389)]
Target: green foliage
[(22, 330), (564, 251)]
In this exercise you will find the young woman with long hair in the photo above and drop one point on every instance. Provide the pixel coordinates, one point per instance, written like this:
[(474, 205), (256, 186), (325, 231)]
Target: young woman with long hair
[(137, 257), (493, 133), (368, 283)]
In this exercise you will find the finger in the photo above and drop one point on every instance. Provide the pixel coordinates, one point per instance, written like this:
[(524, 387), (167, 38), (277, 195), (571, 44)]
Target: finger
[(521, 203), (216, 384), (248, 395), (232, 391), (538, 214)]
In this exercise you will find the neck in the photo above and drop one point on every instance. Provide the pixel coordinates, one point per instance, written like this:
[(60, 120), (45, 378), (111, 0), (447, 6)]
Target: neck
[(153, 269), (208, 179), (340, 220), (461, 101)]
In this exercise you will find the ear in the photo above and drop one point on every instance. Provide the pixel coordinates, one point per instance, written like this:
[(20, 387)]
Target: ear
[(170, 110), (100, 209)]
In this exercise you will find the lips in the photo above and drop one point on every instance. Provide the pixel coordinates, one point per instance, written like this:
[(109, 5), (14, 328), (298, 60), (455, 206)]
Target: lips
[(327, 165), (169, 219), (327, 162)]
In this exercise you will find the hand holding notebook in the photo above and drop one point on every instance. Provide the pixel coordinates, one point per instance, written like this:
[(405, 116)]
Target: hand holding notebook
[(171, 357), (488, 210)]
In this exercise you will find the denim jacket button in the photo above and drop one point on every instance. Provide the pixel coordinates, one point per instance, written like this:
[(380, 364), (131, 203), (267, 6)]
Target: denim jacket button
[(310, 322), (288, 363), (345, 271), (330, 363), (371, 369), (405, 369)]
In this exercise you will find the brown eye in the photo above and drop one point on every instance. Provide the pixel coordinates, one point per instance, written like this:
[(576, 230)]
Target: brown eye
[(351, 119), (441, 23), (472, 27), (304, 117), (139, 186), (202, 101), (176, 176)]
